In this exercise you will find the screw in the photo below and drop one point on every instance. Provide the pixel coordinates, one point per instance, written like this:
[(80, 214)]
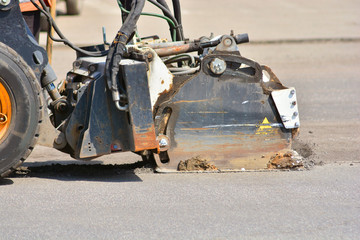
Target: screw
[(296, 124), (295, 114), (293, 103), (292, 92)]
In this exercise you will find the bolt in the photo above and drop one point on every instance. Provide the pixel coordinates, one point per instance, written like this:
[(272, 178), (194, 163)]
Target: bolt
[(292, 92), (77, 64), (149, 56), (62, 107), (5, 2), (163, 143), (227, 42), (296, 124), (293, 103), (3, 118), (217, 66), (59, 139), (295, 114), (92, 68)]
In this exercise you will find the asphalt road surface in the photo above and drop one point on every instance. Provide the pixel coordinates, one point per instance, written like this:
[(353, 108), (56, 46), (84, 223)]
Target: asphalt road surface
[(313, 46)]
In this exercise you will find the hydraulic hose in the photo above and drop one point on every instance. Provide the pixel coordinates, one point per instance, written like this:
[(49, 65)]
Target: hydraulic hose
[(118, 49), (63, 39), (166, 11), (177, 13), (163, 2), (170, 21)]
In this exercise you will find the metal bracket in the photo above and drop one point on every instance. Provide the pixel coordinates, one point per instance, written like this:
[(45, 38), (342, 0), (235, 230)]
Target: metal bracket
[(286, 104)]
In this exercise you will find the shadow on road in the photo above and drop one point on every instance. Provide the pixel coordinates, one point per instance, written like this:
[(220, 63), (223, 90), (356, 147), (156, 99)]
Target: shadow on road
[(85, 172), (5, 181)]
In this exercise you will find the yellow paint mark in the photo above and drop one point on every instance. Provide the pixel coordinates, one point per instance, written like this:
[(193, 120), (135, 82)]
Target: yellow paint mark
[(264, 127)]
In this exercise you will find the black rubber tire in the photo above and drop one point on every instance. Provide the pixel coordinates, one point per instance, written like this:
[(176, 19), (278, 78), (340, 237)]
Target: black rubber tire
[(73, 7), (26, 103)]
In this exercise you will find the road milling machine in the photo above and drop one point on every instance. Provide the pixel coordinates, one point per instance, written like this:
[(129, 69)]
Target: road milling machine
[(173, 102)]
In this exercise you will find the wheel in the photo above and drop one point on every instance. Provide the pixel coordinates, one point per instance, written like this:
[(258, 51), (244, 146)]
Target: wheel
[(20, 110), (73, 7)]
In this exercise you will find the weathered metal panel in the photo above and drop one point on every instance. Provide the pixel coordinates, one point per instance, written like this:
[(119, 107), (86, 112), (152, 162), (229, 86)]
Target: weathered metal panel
[(14, 33), (227, 120), (140, 111)]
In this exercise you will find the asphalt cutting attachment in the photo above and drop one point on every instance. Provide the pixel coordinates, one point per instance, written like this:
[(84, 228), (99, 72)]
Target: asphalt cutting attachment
[(232, 113), (186, 105)]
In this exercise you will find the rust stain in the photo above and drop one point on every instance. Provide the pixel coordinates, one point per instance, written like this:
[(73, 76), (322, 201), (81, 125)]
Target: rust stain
[(145, 140), (238, 152), (166, 90), (167, 51), (295, 132)]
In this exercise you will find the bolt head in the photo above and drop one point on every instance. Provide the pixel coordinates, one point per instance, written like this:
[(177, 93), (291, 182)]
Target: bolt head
[(227, 42), (163, 143), (217, 66), (5, 2), (3, 118)]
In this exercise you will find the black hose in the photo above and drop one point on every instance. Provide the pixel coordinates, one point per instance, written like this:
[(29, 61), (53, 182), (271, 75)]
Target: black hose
[(118, 47), (177, 13), (127, 6), (167, 13), (63, 39), (163, 2)]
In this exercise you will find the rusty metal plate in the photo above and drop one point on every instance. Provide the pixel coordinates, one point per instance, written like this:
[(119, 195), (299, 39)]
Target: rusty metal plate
[(227, 120)]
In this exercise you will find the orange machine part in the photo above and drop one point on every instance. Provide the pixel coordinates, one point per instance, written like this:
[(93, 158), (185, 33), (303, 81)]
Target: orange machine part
[(5, 111)]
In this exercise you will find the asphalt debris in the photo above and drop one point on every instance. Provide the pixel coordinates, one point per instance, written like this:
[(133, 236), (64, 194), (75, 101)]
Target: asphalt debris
[(285, 161), (196, 164), (82, 170)]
